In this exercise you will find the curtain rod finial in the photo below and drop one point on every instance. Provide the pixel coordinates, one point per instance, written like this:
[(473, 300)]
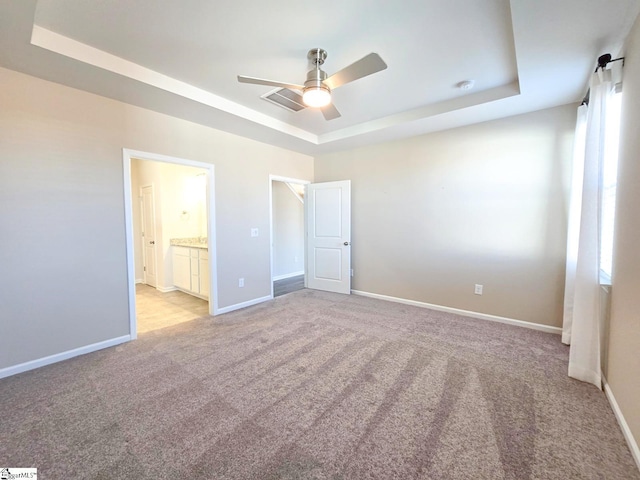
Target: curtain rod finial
[(603, 60)]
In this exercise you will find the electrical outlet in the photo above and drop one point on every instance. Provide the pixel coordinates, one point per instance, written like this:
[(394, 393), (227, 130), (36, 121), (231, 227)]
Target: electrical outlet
[(254, 232), (478, 290), (241, 282), (352, 272)]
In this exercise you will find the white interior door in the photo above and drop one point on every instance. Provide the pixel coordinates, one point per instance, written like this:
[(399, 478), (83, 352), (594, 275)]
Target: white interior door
[(148, 236), (329, 236)]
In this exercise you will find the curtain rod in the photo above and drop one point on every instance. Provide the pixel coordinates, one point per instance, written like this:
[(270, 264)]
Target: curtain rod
[(604, 60)]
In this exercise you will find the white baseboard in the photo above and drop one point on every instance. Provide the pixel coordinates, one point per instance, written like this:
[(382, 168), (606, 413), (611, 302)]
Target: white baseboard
[(466, 313), (238, 306), (624, 426), (172, 288), (166, 289), (58, 357), (288, 275)]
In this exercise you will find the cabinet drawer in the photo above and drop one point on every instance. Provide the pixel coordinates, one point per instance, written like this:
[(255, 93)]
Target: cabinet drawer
[(204, 254)]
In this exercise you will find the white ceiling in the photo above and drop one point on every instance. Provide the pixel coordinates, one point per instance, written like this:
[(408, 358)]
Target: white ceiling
[(182, 58)]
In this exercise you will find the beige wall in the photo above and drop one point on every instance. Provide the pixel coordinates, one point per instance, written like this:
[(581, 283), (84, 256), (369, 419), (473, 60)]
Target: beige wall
[(485, 204), (288, 231), (177, 189), (623, 373), (64, 281)]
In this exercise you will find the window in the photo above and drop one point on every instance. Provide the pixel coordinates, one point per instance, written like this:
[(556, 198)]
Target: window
[(609, 182)]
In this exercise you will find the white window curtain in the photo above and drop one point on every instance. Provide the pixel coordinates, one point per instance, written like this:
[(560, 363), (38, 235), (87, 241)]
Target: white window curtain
[(581, 323), (573, 232)]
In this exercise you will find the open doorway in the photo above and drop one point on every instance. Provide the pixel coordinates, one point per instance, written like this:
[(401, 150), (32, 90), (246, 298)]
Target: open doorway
[(169, 204), (287, 234)]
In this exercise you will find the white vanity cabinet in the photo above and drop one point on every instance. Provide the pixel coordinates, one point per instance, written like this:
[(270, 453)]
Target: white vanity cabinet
[(191, 270)]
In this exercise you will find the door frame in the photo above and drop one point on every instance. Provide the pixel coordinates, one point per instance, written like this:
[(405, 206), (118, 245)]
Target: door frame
[(127, 156), (145, 260), (278, 178)]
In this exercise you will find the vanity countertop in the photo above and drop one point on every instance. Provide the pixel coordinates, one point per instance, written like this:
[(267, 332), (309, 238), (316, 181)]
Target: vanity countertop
[(193, 242)]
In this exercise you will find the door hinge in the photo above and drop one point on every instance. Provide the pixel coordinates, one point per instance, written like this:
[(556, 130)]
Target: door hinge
[(144, 269)]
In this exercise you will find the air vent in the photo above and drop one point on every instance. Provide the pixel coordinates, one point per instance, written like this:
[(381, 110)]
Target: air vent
[(285, 98)]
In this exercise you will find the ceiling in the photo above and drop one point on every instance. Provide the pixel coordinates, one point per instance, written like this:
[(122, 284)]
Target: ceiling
[(182, 58)]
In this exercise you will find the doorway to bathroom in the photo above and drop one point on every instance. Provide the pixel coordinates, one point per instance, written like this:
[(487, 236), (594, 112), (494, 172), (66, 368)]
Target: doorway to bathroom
[(170, 240)]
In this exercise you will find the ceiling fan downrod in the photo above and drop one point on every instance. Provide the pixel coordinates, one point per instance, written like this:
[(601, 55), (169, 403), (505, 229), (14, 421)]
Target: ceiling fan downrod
[(317, 56), (316, 76)]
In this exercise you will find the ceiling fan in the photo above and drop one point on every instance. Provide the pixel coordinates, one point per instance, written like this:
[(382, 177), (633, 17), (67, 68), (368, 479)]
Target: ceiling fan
[(316, 91)]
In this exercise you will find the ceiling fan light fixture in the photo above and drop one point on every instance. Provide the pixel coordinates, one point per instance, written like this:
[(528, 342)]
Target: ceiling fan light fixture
[(316, 91), (317, 96)]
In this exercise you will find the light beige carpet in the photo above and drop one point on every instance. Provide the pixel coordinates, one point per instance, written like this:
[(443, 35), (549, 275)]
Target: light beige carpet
[(316, 386)]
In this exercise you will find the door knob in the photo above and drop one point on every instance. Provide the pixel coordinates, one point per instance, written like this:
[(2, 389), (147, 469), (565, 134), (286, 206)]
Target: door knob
[(152, 242), (346, 244)]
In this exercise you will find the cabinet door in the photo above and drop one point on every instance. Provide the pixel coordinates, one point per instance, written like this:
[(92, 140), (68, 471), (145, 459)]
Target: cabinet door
[(181, 268), (204, 273)]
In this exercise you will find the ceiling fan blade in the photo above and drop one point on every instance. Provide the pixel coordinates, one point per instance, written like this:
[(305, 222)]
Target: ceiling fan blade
[(330, 112), (271, 83), (367, 65)]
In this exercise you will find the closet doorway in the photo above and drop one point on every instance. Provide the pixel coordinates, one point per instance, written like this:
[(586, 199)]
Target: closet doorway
[(287, 234)]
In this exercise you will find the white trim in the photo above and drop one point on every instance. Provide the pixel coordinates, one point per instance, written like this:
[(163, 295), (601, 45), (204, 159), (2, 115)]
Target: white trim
[(287, 275), (60, 44), (624, 426), (466, 313), (139, 280), (128, 233), (188, 292), (248, 303), (278, 178), (167, 289), (54, 42), (58, 357), (127, 155)]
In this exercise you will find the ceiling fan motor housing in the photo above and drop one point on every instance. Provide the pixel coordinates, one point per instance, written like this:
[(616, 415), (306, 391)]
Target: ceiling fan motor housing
[(315, 78)]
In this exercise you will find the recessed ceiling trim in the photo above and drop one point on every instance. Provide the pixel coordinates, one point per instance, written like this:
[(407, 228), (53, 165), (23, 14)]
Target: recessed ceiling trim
[(79, 51), (551, 69), (54, 42), (432, 110)]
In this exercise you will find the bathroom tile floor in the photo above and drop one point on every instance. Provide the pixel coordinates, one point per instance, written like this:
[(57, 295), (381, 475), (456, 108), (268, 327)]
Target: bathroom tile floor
[(155, 310)]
